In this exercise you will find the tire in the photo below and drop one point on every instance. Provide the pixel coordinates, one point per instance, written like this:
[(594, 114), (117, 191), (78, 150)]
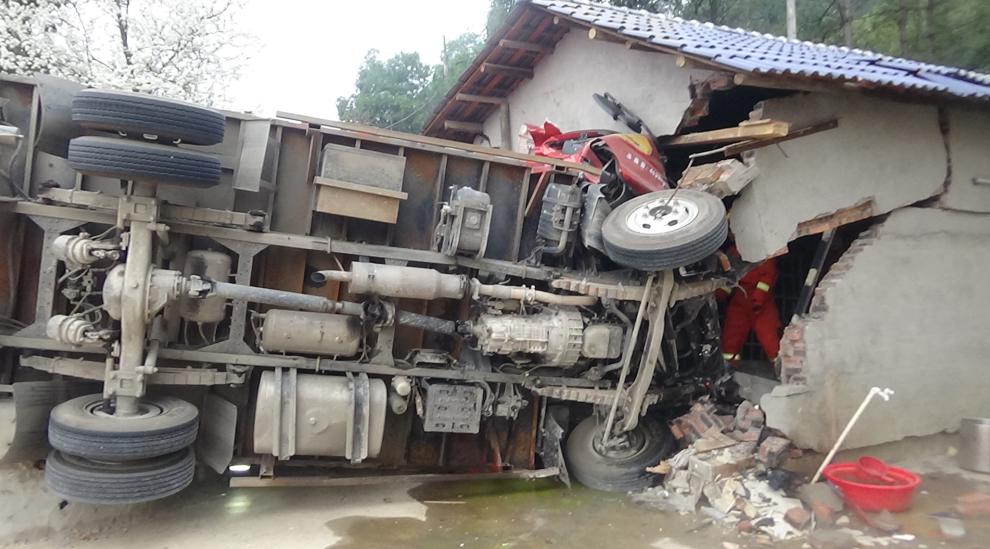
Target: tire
[(78, 427), (84, 481), (617, 473), (695, 229), (126, 159), (142, 114)]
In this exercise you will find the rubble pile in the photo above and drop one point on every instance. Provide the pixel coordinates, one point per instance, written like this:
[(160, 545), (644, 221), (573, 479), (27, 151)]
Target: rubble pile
[(730, 471)]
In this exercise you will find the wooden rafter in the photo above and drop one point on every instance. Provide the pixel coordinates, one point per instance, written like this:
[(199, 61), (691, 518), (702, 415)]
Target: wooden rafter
[(471, 98), (463, 126), (517, 72), (525, 46)]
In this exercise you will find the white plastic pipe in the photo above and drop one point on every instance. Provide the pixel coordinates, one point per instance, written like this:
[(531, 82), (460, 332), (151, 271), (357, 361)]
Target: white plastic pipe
[(885, 394)]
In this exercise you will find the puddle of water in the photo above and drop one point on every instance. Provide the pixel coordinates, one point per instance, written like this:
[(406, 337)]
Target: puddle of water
[(523, 514)]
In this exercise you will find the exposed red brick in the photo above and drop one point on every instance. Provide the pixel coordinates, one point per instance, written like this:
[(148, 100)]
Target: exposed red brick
[(798, 517)]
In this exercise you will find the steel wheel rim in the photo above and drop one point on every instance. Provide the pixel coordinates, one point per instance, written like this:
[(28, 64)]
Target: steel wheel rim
[(662, 216)]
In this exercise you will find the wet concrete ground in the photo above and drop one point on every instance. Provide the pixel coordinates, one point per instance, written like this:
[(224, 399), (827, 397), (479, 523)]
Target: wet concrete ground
[(494, 514)]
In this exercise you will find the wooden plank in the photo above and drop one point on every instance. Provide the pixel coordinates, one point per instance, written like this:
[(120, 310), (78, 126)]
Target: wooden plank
[(372, 168), (471, 98), (357, 204), (525, 46), (367, 189), (844, 216), (733, 150), (460, 126), (517, 72), (761, 129)]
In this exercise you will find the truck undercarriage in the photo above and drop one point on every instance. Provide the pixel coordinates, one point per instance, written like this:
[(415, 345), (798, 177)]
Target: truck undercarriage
[(290, 296)]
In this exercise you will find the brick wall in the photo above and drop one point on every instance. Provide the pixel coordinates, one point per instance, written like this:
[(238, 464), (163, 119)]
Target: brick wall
[(792, 345)]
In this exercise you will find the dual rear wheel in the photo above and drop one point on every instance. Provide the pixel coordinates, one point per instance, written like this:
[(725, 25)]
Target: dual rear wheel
[(100, 457)]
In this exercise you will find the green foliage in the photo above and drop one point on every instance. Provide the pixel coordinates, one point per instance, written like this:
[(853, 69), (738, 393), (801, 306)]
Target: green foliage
[(401, 92), (952, 32), (497, 12)]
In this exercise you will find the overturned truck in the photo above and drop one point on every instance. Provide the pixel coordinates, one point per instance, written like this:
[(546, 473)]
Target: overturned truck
[(290, 297)]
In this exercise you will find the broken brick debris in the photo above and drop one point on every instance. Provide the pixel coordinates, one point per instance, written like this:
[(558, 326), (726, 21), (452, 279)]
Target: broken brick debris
[(798, 517), (724, 178), (719, 473), (773, 451), (702, 417)]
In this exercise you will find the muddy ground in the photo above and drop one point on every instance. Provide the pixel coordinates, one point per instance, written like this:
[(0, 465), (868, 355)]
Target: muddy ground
[(495, 514)]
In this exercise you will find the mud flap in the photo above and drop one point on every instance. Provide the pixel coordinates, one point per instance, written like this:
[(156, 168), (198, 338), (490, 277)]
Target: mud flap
[(552, 447), (217, 428)]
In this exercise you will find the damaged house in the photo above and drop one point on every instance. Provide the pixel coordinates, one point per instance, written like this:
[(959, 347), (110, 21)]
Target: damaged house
[(876, 191)]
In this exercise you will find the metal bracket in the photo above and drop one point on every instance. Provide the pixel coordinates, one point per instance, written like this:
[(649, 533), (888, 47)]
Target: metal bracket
[(91, 369), (246, 253), (359, 420), (136, 208), (284, 414), (47, 272)]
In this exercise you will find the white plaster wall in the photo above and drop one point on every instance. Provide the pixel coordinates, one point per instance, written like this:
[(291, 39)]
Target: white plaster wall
[(969, 149), (910, 314), (649, 83), (891, 152)]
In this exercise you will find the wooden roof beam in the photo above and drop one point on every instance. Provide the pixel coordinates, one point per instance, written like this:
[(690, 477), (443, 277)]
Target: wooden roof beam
[(489, 100), (525, 46), (461, 126), (506, 70)]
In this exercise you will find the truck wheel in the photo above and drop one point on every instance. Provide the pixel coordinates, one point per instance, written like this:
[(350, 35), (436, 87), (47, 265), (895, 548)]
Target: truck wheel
[(621, 468), (126, 159), (86, 481), (141, 114), (81, 427), (663, 230)]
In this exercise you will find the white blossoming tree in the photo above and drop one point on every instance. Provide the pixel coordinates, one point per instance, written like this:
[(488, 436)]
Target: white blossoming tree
[(187, 49)]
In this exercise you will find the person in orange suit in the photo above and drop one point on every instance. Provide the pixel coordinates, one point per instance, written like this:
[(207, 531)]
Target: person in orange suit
[(752, 308)]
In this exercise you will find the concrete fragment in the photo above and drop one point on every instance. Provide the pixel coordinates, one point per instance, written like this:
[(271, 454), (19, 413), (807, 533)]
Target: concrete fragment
[(773, 451), (823, 493), (798, 517), (662, 499), (713, 439), (951, 527), (804, 178), (722, 179)]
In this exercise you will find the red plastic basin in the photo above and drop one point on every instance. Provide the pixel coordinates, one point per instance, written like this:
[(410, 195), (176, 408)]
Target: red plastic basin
[(874, 495)]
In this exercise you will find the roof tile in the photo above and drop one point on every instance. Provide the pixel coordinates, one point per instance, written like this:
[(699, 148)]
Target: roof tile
[(747, 51)]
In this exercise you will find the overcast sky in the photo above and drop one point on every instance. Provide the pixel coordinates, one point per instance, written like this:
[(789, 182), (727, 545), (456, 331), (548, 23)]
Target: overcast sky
[(308, 51)]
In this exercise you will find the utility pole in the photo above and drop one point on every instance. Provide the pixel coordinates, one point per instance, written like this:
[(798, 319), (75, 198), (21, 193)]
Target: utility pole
[(845, 20), (792, 19)]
